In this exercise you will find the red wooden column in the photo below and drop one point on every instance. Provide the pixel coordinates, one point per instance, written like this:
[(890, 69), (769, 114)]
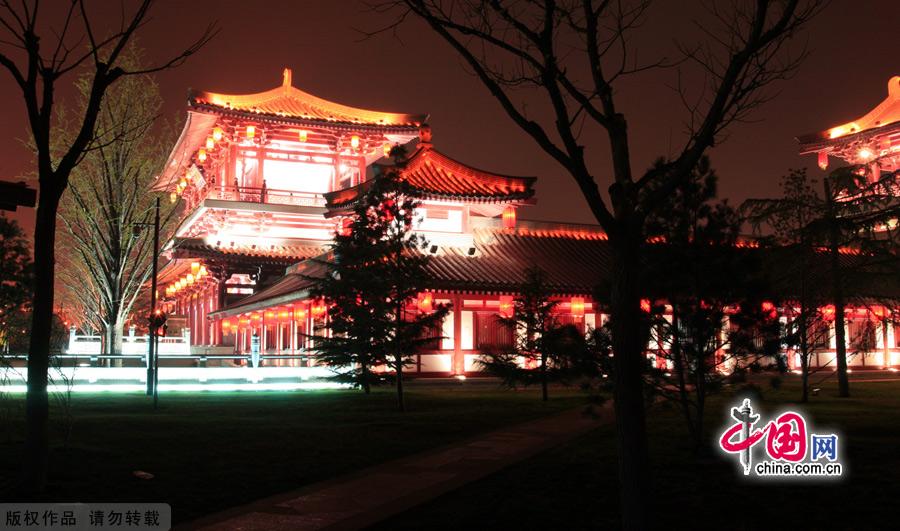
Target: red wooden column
[(458, 363)]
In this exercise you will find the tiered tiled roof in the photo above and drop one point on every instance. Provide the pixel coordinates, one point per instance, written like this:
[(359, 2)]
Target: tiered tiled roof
[(882, 120), (433, 175), (289, 102), (281, 253), (575, 262)]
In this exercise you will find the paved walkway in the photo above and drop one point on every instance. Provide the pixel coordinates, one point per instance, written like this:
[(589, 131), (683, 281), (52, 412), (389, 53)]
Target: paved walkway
[(368, 496)]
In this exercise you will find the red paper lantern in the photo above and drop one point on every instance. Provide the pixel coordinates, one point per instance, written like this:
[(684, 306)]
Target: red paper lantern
[(509, 217), (426, 302), (578, 306), (506, 306)]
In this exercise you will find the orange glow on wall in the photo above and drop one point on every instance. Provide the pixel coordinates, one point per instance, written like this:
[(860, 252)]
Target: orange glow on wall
[(506, 306), (426, 302), (509, 217), (251, 131), (578, 306), (217, 134)]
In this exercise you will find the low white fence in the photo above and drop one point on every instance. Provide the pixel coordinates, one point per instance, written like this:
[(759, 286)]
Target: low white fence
[(132, 379), (131, 344)]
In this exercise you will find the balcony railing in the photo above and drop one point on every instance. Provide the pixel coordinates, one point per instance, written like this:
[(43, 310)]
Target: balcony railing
[(270, 196)]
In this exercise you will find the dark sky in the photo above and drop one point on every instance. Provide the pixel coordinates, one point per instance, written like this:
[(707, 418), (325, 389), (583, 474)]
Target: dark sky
[(853, 44)]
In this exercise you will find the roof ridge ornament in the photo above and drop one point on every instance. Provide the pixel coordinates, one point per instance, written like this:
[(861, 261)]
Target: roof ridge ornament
[(425, 136), (286, 78)]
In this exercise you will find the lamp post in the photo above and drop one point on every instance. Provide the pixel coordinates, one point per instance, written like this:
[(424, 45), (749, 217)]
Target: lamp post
[(152, 347)]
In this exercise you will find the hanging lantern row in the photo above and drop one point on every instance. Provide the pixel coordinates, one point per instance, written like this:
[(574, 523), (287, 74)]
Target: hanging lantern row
[(316, 309), (198, 273)]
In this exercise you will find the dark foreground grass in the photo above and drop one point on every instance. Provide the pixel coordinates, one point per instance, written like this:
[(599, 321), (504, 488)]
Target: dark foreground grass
[(211, 451), (575, 486)]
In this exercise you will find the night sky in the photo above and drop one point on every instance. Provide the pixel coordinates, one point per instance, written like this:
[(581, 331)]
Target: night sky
[(853, 44)]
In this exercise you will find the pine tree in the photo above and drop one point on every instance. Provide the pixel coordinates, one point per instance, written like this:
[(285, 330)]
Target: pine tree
[(543, 350), (708, 283), (374, 273)]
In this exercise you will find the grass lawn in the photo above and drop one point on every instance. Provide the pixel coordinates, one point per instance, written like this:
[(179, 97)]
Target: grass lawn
[(211, 451), (575, 486)]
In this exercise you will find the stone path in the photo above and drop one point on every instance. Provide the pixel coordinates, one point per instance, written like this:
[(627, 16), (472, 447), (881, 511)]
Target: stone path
[(368, 496)]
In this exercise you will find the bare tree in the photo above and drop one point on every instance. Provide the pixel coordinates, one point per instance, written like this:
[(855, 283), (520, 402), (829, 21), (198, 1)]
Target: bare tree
[(108, 262), (571, 56), (40, 49)]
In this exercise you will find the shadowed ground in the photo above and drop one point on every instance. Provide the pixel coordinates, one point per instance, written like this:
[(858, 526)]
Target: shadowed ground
[(574, 486), (210, 452)]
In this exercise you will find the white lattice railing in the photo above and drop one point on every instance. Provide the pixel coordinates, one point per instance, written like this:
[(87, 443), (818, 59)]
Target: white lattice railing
[(131, 344)]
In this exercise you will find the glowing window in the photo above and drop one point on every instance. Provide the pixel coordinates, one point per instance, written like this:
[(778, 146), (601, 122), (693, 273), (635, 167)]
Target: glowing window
[(298, 176)]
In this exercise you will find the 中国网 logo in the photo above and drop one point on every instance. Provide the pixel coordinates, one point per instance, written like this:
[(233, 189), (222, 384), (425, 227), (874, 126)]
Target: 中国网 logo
[(791, 449)]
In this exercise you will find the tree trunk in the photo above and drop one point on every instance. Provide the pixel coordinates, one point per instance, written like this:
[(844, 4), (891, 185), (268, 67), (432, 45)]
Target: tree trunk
[(400, 404), (114, 338), (544, 377), (36, 404), (803, 330), (803, 325), (840, 337), (367, 388), (629, 349), (837, 287), (678, 363)]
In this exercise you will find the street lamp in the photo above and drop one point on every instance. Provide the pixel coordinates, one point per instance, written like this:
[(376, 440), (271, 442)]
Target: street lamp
[(152, 354)]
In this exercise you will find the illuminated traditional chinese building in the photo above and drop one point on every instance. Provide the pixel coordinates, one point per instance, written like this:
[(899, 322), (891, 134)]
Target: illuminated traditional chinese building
[(266, 178), (871, 142), (873, 139)]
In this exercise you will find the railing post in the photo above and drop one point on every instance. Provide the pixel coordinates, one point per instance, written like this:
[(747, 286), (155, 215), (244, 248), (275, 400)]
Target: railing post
[(71, 338), (131, 330)]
